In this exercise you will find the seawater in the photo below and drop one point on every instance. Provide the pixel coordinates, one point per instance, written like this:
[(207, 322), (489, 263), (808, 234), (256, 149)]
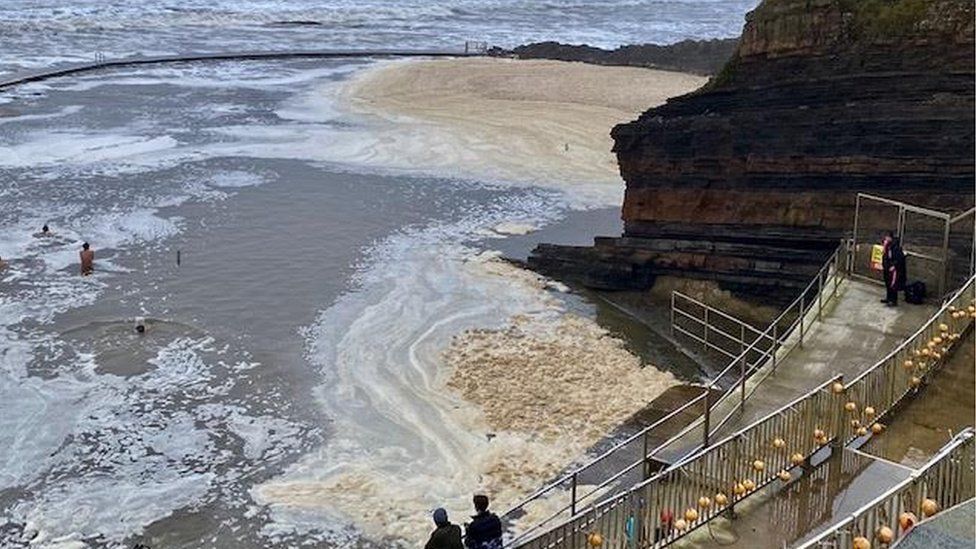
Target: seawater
[(299, 334)]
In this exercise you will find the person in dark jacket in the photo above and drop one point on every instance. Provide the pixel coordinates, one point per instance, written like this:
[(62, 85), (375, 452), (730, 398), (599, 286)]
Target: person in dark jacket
[(445, 535), (485, 529), (894, 269)]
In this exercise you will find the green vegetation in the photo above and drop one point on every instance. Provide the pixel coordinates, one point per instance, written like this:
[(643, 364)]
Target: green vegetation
[(887, 18)]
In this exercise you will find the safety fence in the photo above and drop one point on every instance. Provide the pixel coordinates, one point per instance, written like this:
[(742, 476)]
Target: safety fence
[(707, 483), (946, 480), (629, 461), (770, 347), (939, 247)]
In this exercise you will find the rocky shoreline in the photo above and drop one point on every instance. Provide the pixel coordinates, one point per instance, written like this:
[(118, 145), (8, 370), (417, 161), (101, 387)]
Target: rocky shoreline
[(701, 57)]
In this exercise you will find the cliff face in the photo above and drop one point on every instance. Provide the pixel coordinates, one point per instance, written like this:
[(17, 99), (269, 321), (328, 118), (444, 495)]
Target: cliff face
[(751, 179)]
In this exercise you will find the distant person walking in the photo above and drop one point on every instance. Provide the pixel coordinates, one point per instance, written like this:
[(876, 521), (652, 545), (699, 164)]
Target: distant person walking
[(893, 268), (445, 534), (87, 260), (485, 529)]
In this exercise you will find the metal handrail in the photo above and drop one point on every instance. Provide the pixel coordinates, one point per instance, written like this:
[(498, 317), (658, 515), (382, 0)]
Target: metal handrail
[(770, 333), (778, 339), (947, 490), (664, 485), (713, 467)]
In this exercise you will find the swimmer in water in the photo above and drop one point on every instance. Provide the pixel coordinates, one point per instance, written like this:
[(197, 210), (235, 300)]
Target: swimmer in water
[(87, 259), (140, 325), (45, 231)]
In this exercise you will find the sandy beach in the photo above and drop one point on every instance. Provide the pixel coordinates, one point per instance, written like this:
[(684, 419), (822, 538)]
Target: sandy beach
[(540, 122)]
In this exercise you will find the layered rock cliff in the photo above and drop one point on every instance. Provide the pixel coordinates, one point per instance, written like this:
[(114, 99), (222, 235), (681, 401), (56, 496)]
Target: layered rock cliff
[(751, 180)]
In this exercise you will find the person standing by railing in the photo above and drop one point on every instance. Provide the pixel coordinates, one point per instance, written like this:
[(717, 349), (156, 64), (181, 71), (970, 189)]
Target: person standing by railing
[(893, 267), (485, 529)]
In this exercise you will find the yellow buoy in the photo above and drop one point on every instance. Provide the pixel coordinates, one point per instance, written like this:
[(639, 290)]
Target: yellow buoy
[(877, 428), (778, 443), (915, 381), (869, 411), (929, 507), (943, 327), (758, 465), (704, 502), (906, 520), (818, 433), (862, 431), (739, 489), (885, 535), (796, 458), (837, 387), (908, 364), (721, 499), (850, 406), (855, 423), (594, 539), (680, 524), (749, 485), (691, 515), (784, 475), (861, 542)]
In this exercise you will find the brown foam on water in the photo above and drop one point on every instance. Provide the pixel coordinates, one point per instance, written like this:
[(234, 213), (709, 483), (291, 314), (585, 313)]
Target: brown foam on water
[(545, 387), (565, 379)]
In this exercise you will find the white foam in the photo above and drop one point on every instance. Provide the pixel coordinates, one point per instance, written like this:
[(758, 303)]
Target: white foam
[(403, 444), (78, 147)]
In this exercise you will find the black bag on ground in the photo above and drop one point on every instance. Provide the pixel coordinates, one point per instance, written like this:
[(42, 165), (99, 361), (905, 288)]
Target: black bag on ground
[(915, 292)]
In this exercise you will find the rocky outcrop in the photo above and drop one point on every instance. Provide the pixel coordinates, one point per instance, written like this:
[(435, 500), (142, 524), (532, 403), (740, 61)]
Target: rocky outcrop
[(752, 179), (705, 57)]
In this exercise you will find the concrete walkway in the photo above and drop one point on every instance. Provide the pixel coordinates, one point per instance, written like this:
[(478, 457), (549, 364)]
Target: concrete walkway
[(855, 331)]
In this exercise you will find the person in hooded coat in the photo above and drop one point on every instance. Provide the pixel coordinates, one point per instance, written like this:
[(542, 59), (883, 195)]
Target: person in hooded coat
[(445, 534), (894, 269)]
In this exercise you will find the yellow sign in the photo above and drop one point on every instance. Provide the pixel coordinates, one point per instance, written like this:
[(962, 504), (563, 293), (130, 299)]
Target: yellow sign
[(877, 256)]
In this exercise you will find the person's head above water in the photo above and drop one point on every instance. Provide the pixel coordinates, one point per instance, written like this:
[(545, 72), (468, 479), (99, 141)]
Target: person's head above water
[(480, 502), (84, 246), (44, 229), (440, 517)]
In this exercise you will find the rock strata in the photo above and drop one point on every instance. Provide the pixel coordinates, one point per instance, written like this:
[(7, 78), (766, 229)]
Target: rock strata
[(752, 180)]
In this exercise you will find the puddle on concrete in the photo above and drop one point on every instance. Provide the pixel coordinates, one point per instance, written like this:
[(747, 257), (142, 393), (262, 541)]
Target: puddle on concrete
[(945, 407)]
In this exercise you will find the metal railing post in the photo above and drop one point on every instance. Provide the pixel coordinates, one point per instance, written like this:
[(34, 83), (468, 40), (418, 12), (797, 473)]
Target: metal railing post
[(802, 306), (742, 338), (775, 344), (742, 382), (572, 501), (672, 314), (705, 344), (820, 295), (708, 416), (647, 465)]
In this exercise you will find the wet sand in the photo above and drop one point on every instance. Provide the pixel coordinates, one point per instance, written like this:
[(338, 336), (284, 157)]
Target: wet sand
[(545, 122)]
